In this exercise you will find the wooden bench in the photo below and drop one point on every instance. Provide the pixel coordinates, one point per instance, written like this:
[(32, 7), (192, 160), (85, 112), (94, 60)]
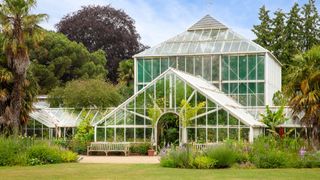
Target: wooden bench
[(108, 147)]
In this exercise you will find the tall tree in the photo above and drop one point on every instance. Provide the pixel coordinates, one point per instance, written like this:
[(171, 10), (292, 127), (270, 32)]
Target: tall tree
[(303, 89), (311, 26), (263, 31), (106, 28), (58, 60), (278, 36), (18, 26), (292, 33)]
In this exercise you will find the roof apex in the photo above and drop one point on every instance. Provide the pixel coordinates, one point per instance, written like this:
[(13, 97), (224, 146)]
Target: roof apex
[(207, 22)]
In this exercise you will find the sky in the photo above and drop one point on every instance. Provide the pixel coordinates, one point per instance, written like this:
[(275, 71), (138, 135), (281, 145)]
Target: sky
[(159, 20)]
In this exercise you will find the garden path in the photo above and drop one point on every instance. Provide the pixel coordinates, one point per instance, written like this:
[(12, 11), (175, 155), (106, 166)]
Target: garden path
[(120, 159)]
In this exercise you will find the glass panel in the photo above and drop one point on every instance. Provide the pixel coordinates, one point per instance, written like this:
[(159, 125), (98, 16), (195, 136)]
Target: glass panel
[(244, 134), (120, 134), (260, 62), (212, 118), (233, 67), (179, 91), (207, 68), (215, 68), (156, 67), (147, 70), (173, 63), (164, 64), (139, 135), (235, 46), (252, 67), (100, 134), (191, 135), (198, 65), (243, 67), (226, 47), (233, 121), (212, 135), (129, 135), (201, 135), (190, 64), (233, 133), (148, 134), (201, 121), (222, 134), (223, 117), (110, 134), (181, 64), (225, 68), (139, 120), (140, 70)]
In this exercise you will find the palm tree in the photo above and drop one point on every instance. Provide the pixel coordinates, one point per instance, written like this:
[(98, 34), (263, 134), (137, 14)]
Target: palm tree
[(18, 28), (126, 72), (304, 90), (186, 113)]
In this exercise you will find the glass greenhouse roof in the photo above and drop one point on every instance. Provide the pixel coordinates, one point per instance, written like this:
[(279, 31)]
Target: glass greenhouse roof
[(66, 117), (207, 36)]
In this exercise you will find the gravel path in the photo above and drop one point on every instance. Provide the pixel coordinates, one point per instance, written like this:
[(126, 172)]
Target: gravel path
[(120, 159)]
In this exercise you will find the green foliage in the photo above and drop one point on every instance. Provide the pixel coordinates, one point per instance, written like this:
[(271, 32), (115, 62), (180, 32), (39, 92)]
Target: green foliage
[(86, 93), (140, 148), (303, 90), (27, 151), (44, 155), (84, 135), (204, 162), (12, 150), (187, 112), (175, 158), (288, 34), (126, 71), (58, 60), (279, 99), (225, 156), (274, 119)]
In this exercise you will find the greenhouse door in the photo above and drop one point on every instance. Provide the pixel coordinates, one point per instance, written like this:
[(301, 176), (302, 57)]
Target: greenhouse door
[(167, 130)]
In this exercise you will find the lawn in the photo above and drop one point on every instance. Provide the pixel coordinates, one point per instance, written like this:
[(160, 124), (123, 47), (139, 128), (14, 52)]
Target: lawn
[(143, 171)]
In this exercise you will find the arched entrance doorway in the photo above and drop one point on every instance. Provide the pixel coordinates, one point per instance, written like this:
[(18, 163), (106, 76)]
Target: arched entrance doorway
[(167, 130)]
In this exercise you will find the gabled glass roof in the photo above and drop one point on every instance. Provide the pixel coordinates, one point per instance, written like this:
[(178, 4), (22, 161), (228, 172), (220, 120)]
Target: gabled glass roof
[(207, 36)]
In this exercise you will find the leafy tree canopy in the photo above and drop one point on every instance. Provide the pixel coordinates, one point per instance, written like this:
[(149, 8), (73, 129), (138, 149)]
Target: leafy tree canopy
[(58, 60), (85, 94), (106, 28)]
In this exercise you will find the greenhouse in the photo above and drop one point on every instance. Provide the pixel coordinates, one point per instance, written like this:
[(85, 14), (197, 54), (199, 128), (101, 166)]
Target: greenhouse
[(220, 117), (205, 85)]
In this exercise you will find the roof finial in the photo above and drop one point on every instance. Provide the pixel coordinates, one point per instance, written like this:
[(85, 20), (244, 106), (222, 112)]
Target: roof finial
[(209, 6)]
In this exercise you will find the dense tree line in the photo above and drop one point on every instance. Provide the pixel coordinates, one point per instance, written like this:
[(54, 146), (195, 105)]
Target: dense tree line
[(288, 34)]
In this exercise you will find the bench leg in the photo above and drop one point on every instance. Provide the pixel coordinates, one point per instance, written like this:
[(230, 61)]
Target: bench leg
[(88, 153), (106, 153)]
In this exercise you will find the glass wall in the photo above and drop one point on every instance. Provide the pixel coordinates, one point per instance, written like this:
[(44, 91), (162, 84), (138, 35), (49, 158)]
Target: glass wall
[(131, 121), (240, 76)]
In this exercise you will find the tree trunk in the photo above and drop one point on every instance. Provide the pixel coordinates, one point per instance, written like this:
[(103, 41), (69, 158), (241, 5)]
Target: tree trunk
[(315, 136), (16, 103), (184, 135)]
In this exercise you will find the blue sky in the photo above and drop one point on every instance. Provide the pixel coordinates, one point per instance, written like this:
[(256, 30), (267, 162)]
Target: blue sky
[(159, 20)]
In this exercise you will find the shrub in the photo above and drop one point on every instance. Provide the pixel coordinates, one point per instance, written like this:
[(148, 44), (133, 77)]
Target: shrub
[(68, 156), (140, 148), (43, 155), (225, 156), (204, 162), (269, 159), (181, 158), (11, 150)]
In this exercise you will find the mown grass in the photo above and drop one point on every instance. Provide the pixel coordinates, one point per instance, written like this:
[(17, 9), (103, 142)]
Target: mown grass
[(146, 171)]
